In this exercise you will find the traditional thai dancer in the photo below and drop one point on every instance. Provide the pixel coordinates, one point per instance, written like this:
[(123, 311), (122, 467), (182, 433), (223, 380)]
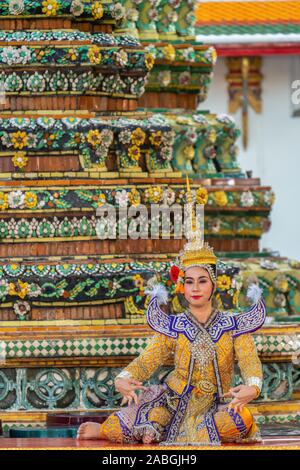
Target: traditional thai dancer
[(191, 406)]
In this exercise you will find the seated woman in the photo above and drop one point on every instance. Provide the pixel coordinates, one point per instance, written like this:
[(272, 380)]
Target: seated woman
[(191, 406)]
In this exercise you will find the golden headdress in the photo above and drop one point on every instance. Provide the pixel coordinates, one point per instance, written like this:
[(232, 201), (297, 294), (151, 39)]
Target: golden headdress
[(196, 252)]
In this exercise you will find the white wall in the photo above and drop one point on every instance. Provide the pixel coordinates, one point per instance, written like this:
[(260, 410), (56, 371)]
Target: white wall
[(274, 148)]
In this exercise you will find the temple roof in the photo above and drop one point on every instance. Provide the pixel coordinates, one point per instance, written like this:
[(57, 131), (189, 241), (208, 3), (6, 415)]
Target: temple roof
[(256, 27)]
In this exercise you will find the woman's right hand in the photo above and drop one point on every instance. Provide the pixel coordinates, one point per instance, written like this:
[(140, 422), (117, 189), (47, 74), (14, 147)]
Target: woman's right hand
[(127, 386)]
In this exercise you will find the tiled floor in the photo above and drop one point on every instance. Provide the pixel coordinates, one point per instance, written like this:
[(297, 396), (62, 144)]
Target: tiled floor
[(275, 442)]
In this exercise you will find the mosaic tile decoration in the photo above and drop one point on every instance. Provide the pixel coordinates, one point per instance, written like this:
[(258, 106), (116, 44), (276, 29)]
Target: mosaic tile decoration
[(73, 347), (283, 344)]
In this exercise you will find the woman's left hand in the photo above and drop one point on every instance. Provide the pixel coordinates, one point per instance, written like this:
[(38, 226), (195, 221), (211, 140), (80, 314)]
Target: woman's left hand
[(242, 394)]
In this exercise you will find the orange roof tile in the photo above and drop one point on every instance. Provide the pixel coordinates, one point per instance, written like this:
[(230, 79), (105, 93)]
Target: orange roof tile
[(248, 12)]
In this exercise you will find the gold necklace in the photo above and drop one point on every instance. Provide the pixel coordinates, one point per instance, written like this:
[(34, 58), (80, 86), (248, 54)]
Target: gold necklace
[(203, 351)]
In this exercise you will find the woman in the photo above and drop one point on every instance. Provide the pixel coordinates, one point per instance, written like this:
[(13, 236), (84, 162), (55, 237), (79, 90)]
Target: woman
[(191, 406)]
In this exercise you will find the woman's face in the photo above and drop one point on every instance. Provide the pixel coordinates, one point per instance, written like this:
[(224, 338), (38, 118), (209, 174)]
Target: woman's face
[(198, 286)]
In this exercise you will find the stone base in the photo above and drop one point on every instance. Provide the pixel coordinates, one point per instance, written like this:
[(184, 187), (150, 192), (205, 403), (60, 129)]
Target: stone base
[(265, 414)]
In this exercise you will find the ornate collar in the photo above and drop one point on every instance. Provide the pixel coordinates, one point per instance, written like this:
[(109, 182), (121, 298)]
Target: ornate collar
[(216, 326)]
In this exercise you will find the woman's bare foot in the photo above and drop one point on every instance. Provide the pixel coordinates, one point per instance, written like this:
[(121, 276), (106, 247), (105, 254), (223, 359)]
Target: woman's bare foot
[(89, 431)]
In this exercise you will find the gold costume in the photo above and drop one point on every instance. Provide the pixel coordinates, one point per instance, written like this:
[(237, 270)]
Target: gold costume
[(188, 407)]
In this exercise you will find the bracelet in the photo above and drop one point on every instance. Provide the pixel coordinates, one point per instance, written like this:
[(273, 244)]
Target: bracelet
[(256, 381), (123, 375), (257, 391)]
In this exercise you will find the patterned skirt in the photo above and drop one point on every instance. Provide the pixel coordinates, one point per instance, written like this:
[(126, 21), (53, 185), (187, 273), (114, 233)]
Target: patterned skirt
[(171, 419)]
